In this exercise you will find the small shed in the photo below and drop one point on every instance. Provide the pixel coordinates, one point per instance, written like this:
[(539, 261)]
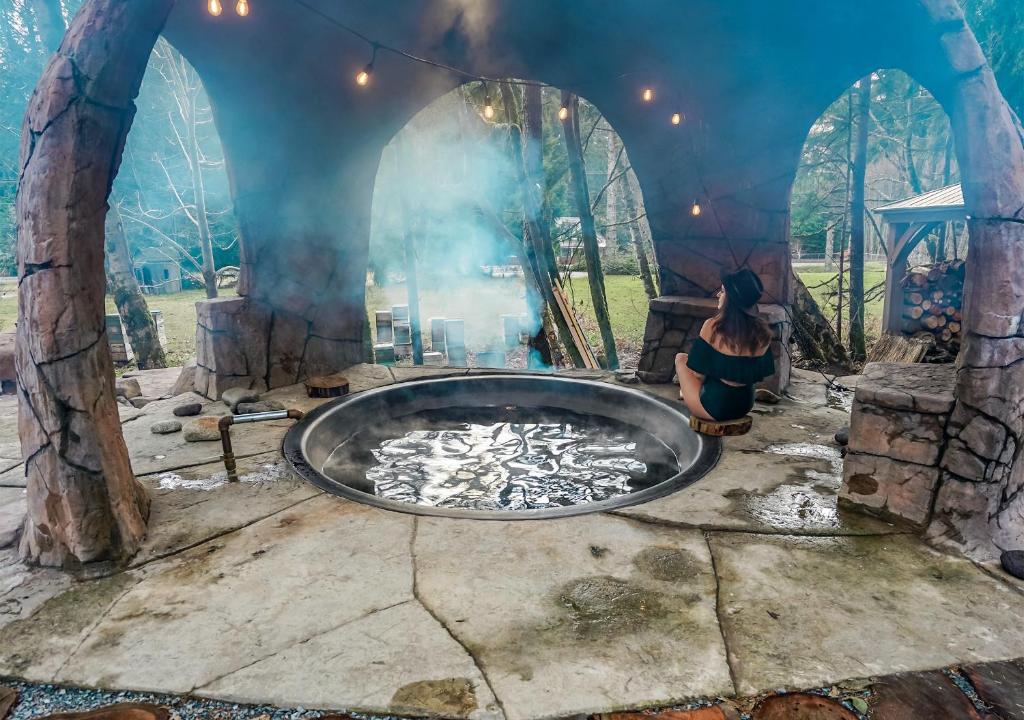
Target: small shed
[(907, 223), (158, 271)]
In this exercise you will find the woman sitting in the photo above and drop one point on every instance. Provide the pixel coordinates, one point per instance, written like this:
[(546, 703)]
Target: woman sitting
[(717, 377)]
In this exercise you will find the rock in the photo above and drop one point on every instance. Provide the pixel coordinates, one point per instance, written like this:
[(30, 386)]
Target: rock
[(763, 395), (127, 388), (247, 408), (1013, 563), (7, 372), (188, 410), (124, 401), (140, 402), (186, 380), (800, 706), (843, 436), (165, 427), (202, 429), (233, 396)]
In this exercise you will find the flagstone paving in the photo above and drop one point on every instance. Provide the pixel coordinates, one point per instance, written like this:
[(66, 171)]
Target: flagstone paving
[(269, 591)]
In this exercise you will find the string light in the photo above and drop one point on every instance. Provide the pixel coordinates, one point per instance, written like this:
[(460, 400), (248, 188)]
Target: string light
[(488, 106), (647, 95), (242, 8), (677, 118), (363, 76), (696, 210), (563, 113), (214, 7)]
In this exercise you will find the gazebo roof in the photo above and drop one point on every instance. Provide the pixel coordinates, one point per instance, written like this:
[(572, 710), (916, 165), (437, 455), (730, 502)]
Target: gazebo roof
[(936, 206)]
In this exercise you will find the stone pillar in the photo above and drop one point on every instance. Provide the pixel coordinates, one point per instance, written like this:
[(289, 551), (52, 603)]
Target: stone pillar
[(897, 432), (83, 502)]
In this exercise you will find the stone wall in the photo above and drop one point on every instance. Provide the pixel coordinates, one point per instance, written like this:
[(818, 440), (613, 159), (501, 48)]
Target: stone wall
[(900, 414), (674, 323)]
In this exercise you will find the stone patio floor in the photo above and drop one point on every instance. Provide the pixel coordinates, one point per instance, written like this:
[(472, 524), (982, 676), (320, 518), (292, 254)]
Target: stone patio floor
[(269, 591)]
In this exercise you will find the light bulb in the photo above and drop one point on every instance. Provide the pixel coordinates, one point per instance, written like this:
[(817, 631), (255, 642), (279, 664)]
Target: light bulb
[(648, 94), (677, 118), (242, 8), (363, 76), (214, 7), (488, 108), (563, 113), (696, 210)]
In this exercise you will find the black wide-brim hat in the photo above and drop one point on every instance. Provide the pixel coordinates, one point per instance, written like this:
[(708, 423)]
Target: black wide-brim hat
[(744, 288)]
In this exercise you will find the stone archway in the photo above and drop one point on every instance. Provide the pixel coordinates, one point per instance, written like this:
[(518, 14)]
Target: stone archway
[(84, 504), (303, 220)]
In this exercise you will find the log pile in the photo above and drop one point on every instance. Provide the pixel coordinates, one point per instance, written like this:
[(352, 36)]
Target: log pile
[(932, 306)]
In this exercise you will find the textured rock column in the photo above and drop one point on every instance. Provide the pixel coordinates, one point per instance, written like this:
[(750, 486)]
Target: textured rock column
[(83, 502), (980, 504)]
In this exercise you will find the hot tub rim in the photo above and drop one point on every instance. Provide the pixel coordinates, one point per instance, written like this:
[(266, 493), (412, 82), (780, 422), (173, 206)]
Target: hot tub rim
[(706, 458)]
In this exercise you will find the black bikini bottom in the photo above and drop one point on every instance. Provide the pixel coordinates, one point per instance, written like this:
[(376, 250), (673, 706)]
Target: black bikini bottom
[(726, 402)]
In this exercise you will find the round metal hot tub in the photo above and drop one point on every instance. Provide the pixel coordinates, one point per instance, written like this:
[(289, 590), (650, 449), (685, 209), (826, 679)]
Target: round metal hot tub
[(518, 411)]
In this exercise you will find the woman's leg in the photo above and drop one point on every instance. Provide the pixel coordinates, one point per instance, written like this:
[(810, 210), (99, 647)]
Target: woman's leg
[(689, 388)]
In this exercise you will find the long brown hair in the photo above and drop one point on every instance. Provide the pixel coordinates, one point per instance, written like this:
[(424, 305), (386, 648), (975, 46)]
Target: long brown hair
[(738, 330)]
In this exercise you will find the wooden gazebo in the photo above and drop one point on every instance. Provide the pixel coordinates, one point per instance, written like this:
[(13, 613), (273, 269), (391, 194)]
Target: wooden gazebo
[(907, 223)]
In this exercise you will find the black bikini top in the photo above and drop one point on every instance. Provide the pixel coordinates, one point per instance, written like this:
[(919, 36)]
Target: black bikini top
[(710, 362)]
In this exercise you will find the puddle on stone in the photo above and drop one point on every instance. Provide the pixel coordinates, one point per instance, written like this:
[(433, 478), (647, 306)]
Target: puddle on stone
[(838, 399), (269, 472), (808, 501)]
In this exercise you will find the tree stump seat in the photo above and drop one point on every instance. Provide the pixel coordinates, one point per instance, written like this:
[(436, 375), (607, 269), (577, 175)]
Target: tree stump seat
[(728, 428)]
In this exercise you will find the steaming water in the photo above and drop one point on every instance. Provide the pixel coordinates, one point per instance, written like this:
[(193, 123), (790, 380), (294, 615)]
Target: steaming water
[(508, 458)]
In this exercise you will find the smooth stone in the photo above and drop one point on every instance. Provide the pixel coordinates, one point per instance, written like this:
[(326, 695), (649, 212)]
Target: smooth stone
[(140, 402), (165, 427), (1013, 563), (920, 695), (128, 388), (202, 429), (232, 397), (843, 436), (247, 408), (186, 381), (188, 410)]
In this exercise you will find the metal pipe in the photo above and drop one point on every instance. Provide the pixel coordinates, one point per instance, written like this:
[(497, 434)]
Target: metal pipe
[(225, 423)]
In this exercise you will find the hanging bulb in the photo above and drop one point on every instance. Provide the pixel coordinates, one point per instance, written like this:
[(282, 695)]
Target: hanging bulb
[(696, 210), (488, 108), (214, 7), (242, 8), (677, 118), (363, 76), (647, 94), (563, 113)]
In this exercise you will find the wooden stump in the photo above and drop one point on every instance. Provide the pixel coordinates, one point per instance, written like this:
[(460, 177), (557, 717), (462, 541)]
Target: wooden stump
[(8, 696), (327, 386), (123, 711), (729, 428)]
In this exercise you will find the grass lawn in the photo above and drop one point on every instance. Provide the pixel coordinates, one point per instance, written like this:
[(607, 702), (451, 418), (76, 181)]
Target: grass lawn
[(479, 301)]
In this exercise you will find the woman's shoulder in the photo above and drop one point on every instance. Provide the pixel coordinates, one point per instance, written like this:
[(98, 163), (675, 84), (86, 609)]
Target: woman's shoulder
[(707, 330)]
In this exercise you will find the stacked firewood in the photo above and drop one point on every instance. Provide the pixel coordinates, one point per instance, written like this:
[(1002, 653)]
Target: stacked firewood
[(932, 306)]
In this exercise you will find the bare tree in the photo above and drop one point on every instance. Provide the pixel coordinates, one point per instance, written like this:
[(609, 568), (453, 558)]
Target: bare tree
[(581, 192), (858, 350), (131, 303)]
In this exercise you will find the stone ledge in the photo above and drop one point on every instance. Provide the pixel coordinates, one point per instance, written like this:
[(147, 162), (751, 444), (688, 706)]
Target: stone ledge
[(898, 434), (911, 387), (706, 307), (888, 488)]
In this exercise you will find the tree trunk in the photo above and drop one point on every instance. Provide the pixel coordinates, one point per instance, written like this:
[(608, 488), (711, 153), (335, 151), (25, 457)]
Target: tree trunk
[(131, 303), (581, 192), (533, 157), (813, 333), (908, 142), (199, 190), (637, 239), (83, 503), (858, 348), (409, 240), (535, 238)]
